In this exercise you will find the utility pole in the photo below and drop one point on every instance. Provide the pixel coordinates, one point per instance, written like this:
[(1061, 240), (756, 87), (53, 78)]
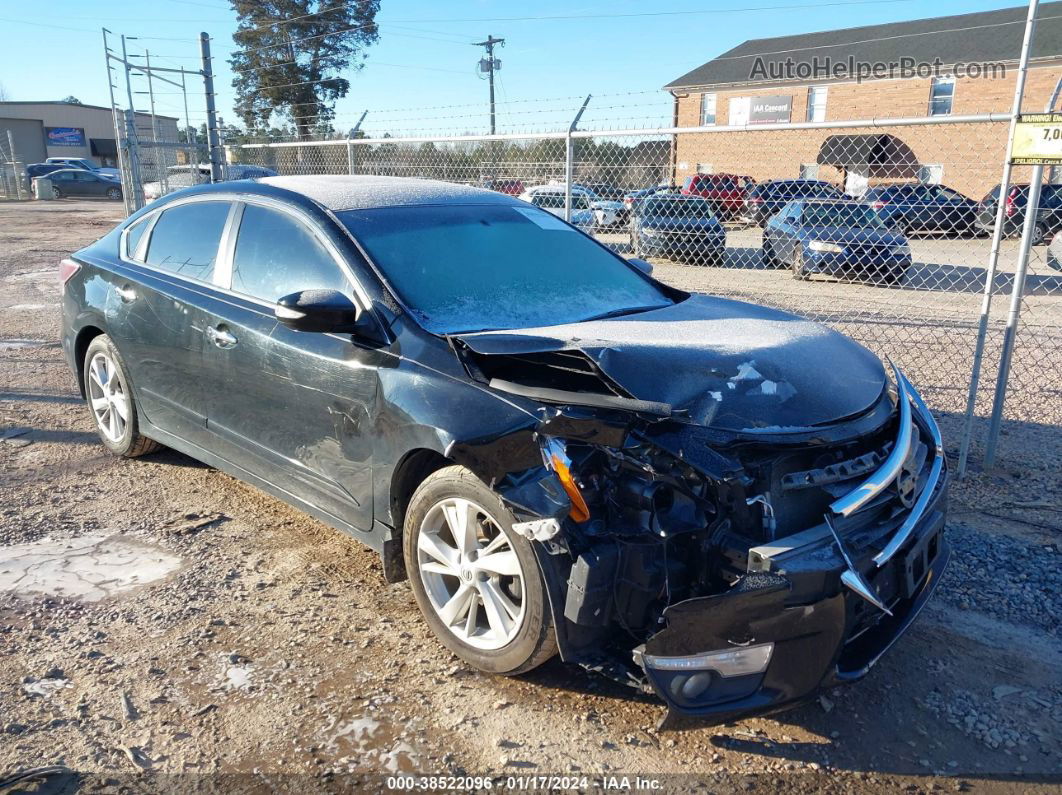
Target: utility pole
[(490, 65), (212, 121)]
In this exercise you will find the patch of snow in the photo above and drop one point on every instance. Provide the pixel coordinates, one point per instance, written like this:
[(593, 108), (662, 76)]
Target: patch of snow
[(362, 192), (45, 687)]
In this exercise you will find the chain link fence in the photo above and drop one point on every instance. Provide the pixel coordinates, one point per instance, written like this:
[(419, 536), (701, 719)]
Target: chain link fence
[(880, 229)]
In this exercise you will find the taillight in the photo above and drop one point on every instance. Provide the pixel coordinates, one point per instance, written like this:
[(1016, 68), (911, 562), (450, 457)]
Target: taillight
[(1009, 208), (67, 268), (877, 205)]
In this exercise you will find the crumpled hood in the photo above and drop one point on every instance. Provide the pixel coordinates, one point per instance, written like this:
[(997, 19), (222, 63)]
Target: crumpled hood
[(717, 362)]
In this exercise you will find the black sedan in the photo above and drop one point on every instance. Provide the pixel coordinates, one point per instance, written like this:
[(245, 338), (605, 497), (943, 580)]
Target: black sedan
[(474, 388), (836, 238), (680, 227), (924, 208), (78, 182)]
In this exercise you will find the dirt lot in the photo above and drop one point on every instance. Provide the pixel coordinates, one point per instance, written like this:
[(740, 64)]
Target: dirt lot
[(210, 636)]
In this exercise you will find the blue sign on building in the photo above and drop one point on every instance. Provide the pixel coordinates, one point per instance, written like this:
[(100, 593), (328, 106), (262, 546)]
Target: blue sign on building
[(65, 136)]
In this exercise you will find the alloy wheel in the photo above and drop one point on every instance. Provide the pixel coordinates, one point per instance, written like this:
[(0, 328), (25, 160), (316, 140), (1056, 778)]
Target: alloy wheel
[(471, 574), (107, 397)]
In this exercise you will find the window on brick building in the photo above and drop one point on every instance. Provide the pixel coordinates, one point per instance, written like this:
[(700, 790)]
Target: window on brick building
[(931, 174), (707, 109), (817, 103), (941, 93)]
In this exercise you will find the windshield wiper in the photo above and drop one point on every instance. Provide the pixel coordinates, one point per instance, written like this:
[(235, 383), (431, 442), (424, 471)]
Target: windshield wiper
[(620, 312)]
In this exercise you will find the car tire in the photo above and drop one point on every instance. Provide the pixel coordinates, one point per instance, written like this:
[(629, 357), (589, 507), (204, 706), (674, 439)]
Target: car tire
[(769, 259), (891, 277), (798, 264), (497, 641), (56, 193), (114, 193), (107, 394), (1039, 235)]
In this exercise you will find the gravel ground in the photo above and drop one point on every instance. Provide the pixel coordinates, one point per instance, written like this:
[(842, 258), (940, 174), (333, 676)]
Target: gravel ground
[(273, 656)]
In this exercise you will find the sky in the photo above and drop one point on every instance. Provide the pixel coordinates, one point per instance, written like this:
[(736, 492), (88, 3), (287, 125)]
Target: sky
[(421, 75)]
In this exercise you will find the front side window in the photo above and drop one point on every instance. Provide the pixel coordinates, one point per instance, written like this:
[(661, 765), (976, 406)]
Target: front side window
[(186, 237), (707, 109), (475, 267), (941, 94), (277, 255)]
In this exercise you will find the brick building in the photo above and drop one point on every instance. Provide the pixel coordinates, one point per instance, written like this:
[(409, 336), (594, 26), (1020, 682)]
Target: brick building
[(970, 68)]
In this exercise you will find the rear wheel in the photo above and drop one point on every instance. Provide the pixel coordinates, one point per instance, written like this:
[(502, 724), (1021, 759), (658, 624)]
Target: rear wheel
[(56, 193), (110, 401), (114, 193), (475, 579)]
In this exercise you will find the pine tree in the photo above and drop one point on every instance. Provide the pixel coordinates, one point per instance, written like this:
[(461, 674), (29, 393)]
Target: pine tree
[(291, 55)]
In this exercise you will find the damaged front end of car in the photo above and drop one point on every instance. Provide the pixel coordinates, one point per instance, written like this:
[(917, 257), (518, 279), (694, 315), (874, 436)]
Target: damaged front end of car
[(730, 573)]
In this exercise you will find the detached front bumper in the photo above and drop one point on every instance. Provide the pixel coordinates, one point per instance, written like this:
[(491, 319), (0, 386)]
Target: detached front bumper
[(822, 633)]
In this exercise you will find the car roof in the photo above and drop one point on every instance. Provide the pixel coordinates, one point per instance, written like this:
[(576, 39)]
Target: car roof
[(342, 192)]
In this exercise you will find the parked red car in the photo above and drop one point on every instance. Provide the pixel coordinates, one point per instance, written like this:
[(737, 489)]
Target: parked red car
[(726, 191), (511, 187)]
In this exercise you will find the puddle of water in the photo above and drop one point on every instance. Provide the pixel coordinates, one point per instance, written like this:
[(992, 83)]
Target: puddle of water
[(90, 567), (11, 345), (377, 744)]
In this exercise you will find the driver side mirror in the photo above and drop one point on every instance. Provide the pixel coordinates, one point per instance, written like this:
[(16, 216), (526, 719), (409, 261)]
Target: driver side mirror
[(325, 311), (642, 265)]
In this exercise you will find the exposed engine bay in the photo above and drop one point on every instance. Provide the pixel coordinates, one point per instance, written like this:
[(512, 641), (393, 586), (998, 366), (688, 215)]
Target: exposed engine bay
[(687, 559)]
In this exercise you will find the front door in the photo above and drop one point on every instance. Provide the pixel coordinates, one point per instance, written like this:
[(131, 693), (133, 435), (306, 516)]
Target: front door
[(294, 408)]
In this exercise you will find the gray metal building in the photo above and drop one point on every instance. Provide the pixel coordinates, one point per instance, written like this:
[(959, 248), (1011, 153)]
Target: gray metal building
[(64, 129)]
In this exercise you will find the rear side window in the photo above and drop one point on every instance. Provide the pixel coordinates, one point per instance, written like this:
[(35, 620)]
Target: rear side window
[(133, 236), (276, 255), (185, 239)]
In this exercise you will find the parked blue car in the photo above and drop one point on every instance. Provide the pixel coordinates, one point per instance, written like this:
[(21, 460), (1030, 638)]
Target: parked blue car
[(680, 227), (838, 238)]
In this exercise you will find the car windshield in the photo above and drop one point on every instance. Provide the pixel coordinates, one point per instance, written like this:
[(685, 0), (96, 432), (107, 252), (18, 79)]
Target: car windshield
[(858, 215), (463, 268), (679, 208)]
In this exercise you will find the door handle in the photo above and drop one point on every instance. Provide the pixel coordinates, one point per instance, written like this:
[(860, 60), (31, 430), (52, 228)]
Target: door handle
[(126, 293), (221, 336)]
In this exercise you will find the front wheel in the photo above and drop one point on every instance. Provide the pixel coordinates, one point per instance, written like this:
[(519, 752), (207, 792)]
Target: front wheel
[(475, 579), (56, 193), (798, 264), (110, 401), (114, 193)]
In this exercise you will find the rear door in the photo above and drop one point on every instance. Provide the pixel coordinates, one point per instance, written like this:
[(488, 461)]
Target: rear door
[(294, 408), (155, 311)]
